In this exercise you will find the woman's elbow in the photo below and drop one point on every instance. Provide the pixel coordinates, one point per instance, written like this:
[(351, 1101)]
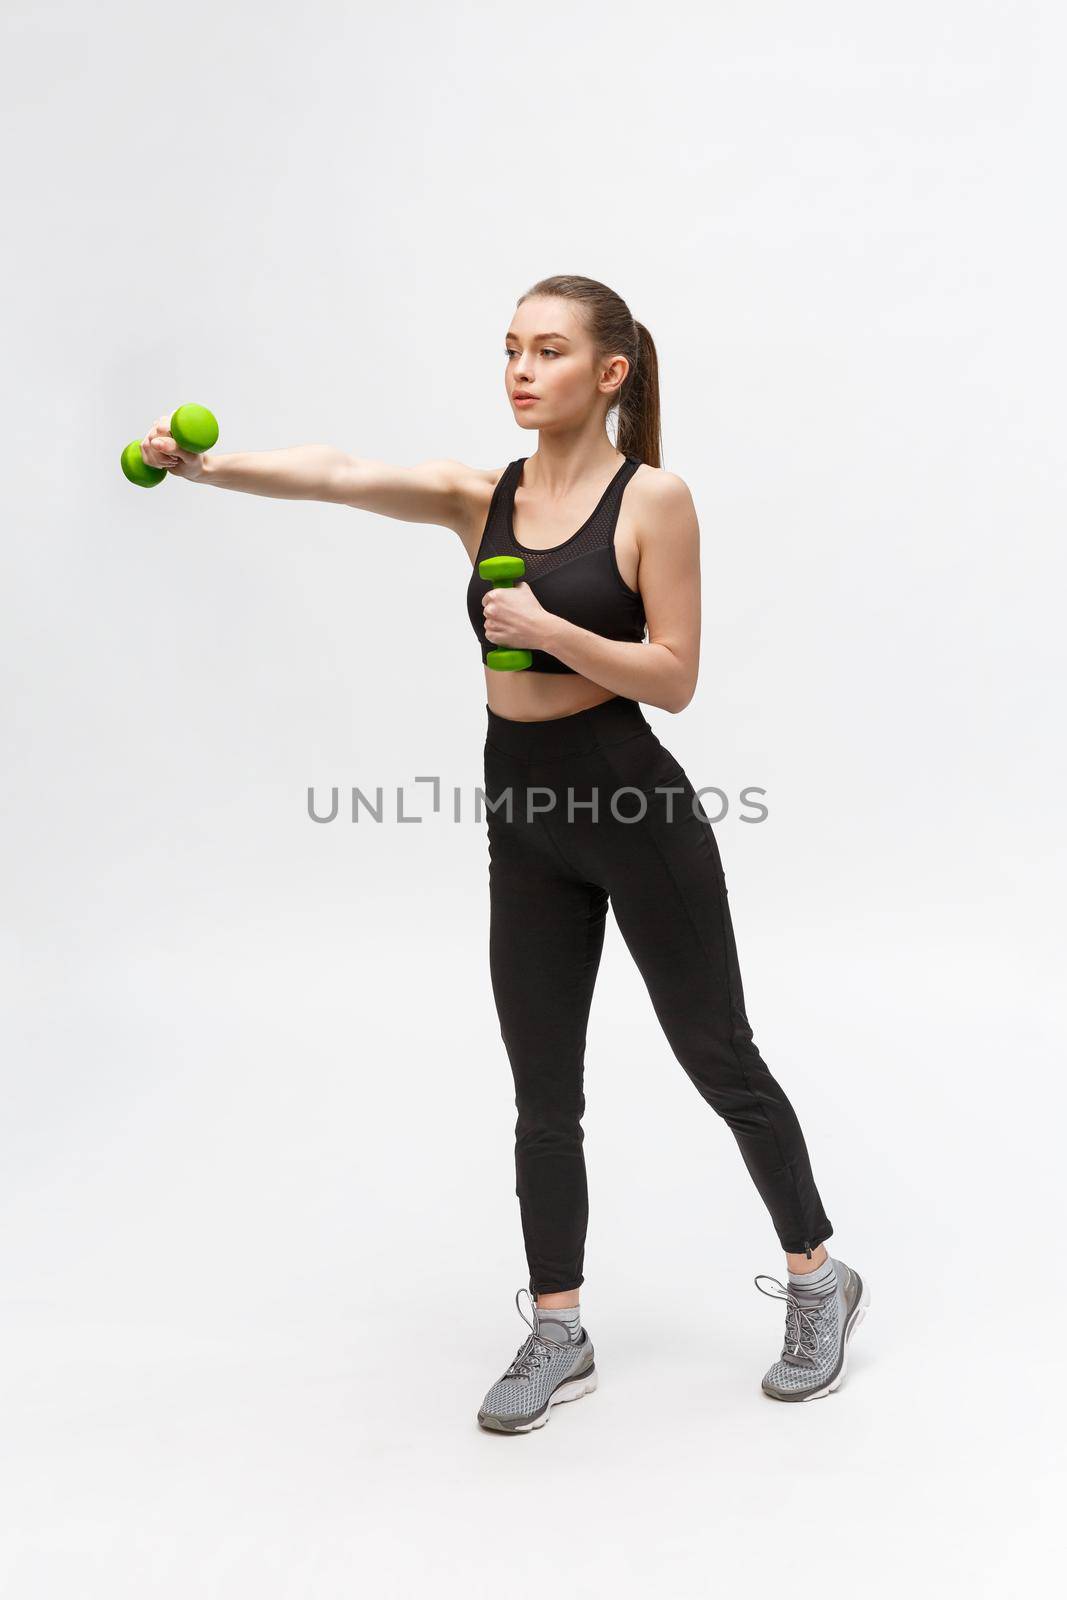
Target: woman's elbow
[(684, 690)]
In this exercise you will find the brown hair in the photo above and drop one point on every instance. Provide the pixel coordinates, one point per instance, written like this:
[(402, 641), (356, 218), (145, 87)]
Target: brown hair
[(614, 331)]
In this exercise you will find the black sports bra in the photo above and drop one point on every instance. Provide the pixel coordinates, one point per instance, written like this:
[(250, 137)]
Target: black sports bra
[(578, 579)]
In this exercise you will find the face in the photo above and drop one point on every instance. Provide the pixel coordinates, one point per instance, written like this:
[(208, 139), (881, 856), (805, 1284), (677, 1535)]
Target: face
[(550, 373)]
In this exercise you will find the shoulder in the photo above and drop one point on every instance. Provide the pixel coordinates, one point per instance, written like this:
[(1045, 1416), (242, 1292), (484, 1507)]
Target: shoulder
[(473, 489), (664, 503), (659, 487), (464, 482), (476, 483)]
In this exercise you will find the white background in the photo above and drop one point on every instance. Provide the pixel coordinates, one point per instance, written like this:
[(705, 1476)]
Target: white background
[(259, 1238)]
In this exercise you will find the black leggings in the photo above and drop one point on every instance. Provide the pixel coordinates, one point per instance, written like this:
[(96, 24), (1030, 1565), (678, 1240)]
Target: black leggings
[(554, 862)]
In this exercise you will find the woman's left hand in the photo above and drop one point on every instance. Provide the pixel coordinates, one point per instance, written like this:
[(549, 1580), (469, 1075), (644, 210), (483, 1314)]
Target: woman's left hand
[(514, 617)]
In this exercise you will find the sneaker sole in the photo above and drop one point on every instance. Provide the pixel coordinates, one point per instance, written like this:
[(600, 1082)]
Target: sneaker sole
[(573, 1389), (855, 1317)]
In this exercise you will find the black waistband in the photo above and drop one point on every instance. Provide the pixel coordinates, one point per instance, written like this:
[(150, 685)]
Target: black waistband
[(607, 723)]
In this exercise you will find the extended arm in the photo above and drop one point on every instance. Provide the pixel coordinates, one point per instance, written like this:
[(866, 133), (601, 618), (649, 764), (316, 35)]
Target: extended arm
[(444, 492), (432, 491), (297, 472)]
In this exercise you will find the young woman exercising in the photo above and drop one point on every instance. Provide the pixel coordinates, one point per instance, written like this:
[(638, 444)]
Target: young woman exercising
[(586, 806)]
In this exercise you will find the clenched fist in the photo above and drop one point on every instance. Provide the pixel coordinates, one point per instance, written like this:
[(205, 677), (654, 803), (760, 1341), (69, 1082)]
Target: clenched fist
[(160, 450)]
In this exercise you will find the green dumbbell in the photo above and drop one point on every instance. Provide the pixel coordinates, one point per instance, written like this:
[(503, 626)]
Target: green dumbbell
[(192, 428), (503, 572)]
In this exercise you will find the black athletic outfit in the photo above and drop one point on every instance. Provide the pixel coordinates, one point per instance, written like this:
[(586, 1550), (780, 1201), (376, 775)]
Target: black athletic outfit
[(579, 815), (578, 579)]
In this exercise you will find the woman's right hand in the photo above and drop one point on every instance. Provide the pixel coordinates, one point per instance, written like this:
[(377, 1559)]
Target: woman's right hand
[(159, 450)]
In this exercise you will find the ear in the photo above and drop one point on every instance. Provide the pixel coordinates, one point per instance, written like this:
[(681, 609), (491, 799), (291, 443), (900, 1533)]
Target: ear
[(614, 375)]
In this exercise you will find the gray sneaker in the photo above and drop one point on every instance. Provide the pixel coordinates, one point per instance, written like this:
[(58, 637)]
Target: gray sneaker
[(548, 1367), (817, 1334)]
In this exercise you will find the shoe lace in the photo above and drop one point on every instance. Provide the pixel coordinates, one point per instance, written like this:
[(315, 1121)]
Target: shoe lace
[(534, 1350), (801, 1345)]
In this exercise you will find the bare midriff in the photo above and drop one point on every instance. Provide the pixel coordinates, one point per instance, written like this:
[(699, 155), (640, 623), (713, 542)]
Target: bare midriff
[(537, 696)]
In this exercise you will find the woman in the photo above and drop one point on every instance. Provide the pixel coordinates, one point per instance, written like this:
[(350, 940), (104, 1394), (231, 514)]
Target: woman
[(585, 805)]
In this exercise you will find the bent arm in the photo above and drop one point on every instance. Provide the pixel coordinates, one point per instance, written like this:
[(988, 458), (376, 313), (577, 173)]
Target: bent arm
[(664, 671)]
